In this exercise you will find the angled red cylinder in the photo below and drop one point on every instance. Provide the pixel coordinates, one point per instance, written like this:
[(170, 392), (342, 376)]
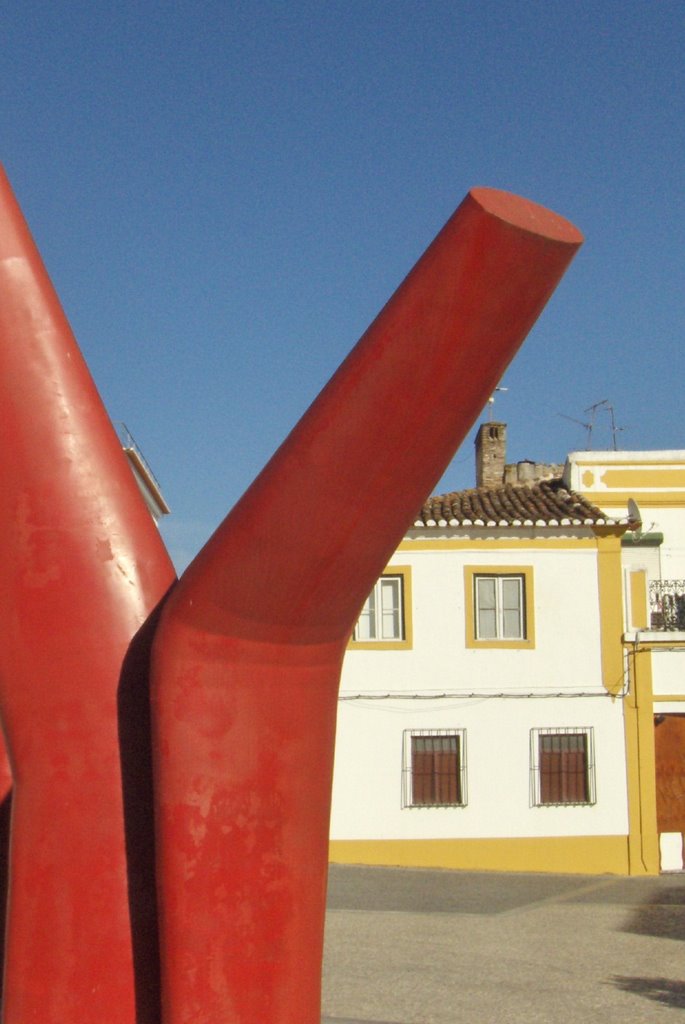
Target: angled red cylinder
[(83, 566), (5, 812), (247, 658)]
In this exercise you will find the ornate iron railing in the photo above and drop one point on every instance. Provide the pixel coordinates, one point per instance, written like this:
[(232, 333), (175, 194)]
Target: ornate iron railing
[(667, 604)]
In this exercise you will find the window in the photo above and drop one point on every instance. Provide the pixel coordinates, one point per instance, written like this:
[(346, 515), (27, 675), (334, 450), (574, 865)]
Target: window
[(434, 768), (499, 607), (381, 617), (562, 767), (500, 614), (385, 619)]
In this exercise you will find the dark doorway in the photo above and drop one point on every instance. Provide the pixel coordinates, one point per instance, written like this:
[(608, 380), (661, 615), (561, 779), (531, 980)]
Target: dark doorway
[(669, 741)]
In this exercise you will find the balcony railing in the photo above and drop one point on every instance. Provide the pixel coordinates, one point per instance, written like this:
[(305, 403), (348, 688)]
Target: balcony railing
[(667, 604)]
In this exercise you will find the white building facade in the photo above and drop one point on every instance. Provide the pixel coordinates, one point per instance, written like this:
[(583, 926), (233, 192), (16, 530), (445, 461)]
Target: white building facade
[(502, 698), (652, 486), (483, 729)]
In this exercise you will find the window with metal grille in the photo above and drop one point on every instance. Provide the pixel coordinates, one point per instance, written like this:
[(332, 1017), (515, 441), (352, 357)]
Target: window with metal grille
[(562, 766), (500, 607), (434, 768), (382, 617)]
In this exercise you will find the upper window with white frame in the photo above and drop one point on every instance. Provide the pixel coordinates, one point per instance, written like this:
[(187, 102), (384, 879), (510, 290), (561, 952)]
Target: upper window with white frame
[(499, 608), (562, 766), (385, 619), (434, 768)]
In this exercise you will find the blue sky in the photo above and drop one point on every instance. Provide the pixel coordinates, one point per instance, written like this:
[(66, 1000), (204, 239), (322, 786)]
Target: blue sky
[(225, 195)]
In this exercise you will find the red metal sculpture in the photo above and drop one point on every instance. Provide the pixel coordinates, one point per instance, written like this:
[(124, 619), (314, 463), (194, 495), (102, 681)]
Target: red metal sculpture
[(247, 656), (5, 811), (82, 568)]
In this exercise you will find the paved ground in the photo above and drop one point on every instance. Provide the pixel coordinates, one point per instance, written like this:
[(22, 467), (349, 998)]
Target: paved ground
[(437, 947)]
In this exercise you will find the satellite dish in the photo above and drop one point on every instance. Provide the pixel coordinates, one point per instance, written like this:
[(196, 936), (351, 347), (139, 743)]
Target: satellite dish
[(634, 515)]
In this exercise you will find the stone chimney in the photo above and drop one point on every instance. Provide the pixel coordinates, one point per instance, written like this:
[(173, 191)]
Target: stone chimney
[(491, 453)]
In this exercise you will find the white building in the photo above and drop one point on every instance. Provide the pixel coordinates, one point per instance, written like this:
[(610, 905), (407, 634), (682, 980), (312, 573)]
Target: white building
[(652, 485), (488, 715)]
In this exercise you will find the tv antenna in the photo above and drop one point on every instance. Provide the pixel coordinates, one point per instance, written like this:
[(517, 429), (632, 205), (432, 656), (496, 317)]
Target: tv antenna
[(587, 426), (602, 406), (614, 429), (606, 406)]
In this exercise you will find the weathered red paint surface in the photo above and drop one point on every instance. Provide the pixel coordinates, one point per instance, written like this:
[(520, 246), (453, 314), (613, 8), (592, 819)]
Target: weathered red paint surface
[(5, 811), (247, 658), (82, 567)]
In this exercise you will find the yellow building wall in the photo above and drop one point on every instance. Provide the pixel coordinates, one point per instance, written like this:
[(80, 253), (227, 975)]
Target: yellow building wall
[(591, 855)]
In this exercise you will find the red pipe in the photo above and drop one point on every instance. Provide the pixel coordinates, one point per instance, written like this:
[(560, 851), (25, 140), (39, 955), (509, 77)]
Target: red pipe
[(5, 812), (247, 658), (83, 566)]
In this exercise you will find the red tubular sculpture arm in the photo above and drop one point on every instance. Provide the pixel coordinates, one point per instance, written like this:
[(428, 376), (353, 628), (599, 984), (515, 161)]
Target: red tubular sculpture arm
[(83, 566), (247, 658), (5, 811)]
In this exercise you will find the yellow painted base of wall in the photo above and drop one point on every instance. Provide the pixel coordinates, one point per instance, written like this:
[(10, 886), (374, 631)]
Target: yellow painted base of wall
[(578, 855)]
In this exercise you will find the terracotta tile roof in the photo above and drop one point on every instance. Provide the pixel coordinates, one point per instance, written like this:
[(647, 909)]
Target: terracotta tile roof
[(547, 503)]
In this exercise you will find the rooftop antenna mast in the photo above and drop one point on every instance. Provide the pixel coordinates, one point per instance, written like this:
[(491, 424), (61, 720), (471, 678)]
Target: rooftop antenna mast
[(606, 406), (587, 426), (592, 410), (491, 401), (614, 429)]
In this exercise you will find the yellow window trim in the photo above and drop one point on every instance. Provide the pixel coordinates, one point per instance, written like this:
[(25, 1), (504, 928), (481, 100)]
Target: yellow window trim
[(393, 645), (470, 571)]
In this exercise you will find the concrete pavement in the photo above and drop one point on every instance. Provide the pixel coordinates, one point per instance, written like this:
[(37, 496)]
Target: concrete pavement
[(410, 946)]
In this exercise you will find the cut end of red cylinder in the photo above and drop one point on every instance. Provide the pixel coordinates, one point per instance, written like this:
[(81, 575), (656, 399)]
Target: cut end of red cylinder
[(526, 215)]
